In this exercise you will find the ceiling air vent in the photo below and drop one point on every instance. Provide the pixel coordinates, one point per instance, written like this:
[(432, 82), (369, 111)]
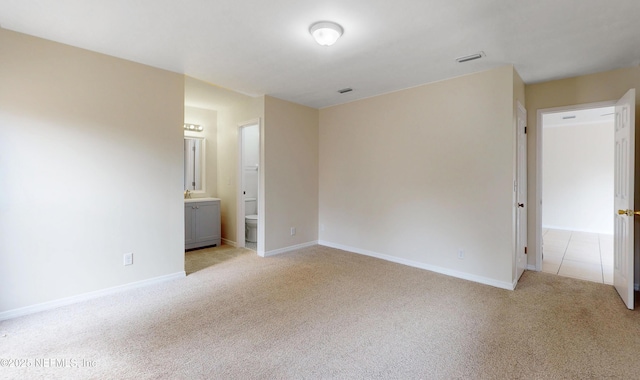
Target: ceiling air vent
[(345, 90), (471, 57)]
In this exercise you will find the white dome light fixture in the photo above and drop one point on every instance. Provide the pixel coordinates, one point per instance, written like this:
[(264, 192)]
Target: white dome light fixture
[(326, 33)]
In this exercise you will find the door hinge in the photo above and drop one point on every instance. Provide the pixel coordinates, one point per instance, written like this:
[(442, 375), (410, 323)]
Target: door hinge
[(193, 184), (525, 130), (525, 250)]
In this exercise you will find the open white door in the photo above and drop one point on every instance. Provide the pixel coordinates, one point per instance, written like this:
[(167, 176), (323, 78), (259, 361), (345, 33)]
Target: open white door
[(624, 192), (521, 191)]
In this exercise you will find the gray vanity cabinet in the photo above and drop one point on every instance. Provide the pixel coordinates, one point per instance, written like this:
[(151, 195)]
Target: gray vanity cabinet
[(201, 223)]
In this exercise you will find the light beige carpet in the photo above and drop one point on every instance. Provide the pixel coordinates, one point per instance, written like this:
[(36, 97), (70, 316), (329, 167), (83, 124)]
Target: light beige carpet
[(325, 313)]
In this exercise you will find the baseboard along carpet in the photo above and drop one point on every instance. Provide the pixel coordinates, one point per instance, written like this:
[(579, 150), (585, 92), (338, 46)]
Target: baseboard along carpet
[(321, 313)]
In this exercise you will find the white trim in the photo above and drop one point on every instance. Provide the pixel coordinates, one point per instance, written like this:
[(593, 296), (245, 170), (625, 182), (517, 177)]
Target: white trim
[(574, 230), (532, 268), (288, 249), (87, 296), (417, 264), (578, 124), (517, 239), (229, 242), (240, 221), (537, 201), (578, 107), (538, 172), (262, 198)]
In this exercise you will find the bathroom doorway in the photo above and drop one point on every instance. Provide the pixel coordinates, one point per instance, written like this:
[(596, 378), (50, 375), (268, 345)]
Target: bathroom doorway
[(250, 180)]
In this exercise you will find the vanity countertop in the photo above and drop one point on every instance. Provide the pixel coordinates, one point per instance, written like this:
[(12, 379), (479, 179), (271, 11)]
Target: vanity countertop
[(191, 200)]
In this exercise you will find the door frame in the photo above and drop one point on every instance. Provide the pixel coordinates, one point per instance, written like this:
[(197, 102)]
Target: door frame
[(538, 192), (240, 234), (521, 183)]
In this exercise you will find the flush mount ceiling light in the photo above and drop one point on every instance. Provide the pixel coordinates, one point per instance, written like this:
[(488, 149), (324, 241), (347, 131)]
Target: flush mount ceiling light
[(326, 33)]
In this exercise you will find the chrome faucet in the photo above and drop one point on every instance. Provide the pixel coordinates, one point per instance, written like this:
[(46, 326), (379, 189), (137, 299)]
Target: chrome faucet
[(187, 194)]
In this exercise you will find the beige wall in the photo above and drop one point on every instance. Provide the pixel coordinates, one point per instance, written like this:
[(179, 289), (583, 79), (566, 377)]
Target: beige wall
[(600, 87), (228, 182), (208, 119), (291, 174), (416, 175), (90, 169), (232, 109)]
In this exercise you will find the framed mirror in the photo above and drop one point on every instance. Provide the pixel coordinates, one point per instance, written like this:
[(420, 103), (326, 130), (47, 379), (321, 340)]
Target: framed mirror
[(194, 164)]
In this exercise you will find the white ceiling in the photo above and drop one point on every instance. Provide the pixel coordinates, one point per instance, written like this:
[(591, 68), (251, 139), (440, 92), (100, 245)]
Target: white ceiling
[(263, 47)]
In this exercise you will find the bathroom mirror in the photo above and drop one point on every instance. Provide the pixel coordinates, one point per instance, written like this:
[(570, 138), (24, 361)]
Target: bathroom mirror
[(194, 164)]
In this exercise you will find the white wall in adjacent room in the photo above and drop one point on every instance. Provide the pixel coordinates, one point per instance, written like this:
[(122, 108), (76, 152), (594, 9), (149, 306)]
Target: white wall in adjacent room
[(577, 182)]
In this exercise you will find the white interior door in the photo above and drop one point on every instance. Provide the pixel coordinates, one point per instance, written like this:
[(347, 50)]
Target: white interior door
[(623, 268), (521, 191)]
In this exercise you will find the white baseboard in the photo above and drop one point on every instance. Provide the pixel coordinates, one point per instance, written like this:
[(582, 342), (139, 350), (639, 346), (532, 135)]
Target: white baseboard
[(229, 242), (86, 296), (290, 248), (565, 228), (531, 267), (416, 264)]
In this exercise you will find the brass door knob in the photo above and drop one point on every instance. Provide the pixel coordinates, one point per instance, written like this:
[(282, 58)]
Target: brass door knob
[(628, 212)]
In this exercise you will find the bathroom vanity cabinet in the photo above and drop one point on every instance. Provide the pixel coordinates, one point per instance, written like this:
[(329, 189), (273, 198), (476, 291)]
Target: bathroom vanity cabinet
[(201, 222)]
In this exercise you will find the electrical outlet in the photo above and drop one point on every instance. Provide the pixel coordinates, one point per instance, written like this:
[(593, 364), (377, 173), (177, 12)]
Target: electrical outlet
[(128, 259), (461, 254), (322, 227), (293, 231)]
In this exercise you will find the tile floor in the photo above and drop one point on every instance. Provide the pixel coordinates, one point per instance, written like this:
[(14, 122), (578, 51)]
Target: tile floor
[(582, 255)]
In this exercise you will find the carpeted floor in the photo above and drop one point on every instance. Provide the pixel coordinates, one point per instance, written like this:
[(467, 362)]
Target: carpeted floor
[(325, 313), (199, 259)]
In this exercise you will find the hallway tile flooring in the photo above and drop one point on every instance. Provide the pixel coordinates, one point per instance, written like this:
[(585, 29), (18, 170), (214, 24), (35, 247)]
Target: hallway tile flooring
[(582, 255)]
